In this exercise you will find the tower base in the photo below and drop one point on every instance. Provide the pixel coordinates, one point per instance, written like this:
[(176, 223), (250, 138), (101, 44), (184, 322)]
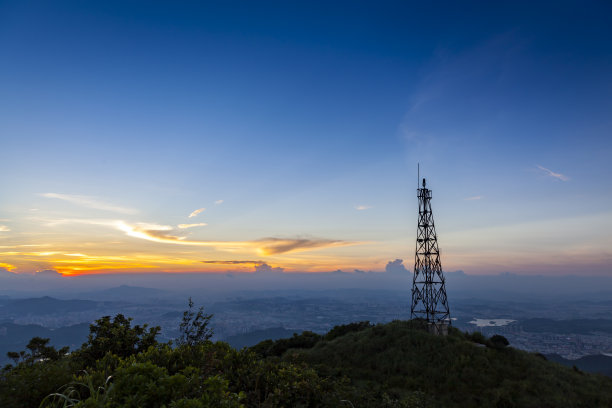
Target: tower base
[(438, 328)]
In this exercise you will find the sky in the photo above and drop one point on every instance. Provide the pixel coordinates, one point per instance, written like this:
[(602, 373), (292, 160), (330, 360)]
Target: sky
[(147, 137)]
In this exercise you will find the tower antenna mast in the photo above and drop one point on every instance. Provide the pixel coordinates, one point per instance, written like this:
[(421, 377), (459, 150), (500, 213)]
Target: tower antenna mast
[(429, 300)]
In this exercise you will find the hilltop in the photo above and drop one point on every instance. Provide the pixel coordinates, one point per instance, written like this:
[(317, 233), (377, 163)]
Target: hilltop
[(398, 364), (409, 366)]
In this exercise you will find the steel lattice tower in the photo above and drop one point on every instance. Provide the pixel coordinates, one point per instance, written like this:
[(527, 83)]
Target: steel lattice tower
[(429, 301)]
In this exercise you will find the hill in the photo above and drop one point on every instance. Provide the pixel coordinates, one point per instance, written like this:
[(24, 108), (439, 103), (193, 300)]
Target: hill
[(14, 337), (394, 365), (409, 366), (126, 293), (44, 305), (598, 363), (239, 341)]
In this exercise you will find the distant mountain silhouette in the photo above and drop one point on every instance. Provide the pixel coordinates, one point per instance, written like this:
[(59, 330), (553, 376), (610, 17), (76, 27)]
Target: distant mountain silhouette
[(126, 293), (598, 363), (14, 337), (43, 306)]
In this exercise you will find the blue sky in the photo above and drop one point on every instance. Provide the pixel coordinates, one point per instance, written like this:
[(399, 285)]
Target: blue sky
[(306, 120)]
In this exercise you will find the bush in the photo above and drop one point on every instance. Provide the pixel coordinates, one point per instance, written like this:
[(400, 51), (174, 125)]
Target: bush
[(498, 342), (477, 337), (343, 329), (116, 336), (194, 327)]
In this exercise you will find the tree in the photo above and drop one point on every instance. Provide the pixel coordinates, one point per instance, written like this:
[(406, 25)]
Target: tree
[(498, 341), (194, 327), (38, 350), (117, 337)]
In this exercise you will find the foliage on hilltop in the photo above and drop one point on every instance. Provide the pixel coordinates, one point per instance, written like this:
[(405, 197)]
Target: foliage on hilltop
[(122, 365), (360, 365), (410, 366)]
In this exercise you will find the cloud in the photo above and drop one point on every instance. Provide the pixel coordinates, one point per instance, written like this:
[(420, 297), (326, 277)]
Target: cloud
[(185, 226), (86, 221), (264, 268), (11, 253), (265, 246), (90, 202), (4, 228), (151, 232), (234, 262), (168, 234), (48, 273), (274, 246), (218, 202), (552, 174), (24, 245), (196, 212), (474, 198), (475, 76), (396, 266), (7, 267), (362, 207)]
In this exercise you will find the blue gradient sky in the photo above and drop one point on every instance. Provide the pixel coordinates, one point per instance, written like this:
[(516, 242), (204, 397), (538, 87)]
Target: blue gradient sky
[(118, 119)]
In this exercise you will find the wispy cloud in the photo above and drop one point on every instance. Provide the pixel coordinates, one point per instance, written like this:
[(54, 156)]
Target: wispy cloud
[(85, 221), (29, 253), (196, 212), (362, 207), (474, 198), (185, 226), (151, 232), (234, 262), (166, 234), (4, 228), (90, 202), (265, 246), (219, 202), (482, 71), (169, 235), (552, 174), (22, 246), (274, 246)]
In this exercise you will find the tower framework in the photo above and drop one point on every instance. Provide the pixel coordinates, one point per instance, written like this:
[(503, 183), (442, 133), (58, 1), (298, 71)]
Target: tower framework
[(429, 300)]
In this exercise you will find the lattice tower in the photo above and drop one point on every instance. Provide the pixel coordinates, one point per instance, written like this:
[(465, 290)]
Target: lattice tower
[(429, 300)]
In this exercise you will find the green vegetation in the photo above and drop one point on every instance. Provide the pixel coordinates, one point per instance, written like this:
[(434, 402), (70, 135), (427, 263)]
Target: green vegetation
[(405, 364), (194, 327), (360, 365)]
